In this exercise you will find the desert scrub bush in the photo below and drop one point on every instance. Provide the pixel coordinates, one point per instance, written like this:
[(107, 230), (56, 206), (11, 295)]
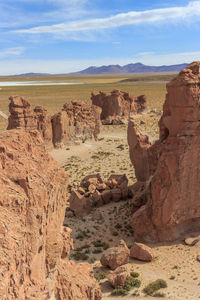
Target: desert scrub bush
[(120, 147), (100, 276), (154, 286), (86, 246), (159, 295), (115, 233), (82, 234), (118, 226), (97, 250), (80, 256), (127, 286), (134, 274), (101, 244)]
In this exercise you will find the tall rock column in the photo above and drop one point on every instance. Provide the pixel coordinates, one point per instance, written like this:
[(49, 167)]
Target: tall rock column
[(173, 201)]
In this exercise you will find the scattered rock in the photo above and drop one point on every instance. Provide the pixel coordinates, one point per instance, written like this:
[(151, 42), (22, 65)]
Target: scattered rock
[(116, 256), (94, 179), (141, 252), (79, 204), (118, 276)]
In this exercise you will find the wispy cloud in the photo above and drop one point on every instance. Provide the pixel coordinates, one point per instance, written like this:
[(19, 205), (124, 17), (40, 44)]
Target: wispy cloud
[(11, 52), (131, 18), (44, 12), (18, 66)]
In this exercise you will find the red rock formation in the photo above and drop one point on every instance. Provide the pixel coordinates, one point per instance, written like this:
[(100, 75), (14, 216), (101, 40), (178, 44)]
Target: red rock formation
[(34, 246), (43, 120), (173, 205), (117, 105), (60, 129), (77, 121), (22, 115), (84, 120)]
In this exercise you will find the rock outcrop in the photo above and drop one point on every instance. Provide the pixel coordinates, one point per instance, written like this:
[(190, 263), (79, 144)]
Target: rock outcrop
[(171, 165), (34, 245), (77, 122), (117, 105), (22, 115), (94, 193), (84, 120)]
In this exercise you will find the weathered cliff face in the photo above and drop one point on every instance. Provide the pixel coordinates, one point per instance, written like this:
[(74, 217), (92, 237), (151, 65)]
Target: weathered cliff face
[(117, 105), (84, 120), (34, 245), (172, 193)]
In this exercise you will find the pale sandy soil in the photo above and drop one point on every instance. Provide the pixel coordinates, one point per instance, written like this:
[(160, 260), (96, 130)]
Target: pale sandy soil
[(176, 263)]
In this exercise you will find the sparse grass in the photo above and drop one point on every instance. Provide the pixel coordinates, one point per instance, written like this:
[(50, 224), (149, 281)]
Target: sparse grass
[(154, 286)]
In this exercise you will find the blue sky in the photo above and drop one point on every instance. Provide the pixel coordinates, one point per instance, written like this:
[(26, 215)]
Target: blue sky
[(61, 36)]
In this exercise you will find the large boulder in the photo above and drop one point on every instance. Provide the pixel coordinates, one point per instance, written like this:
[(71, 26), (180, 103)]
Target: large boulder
[(116, 256), (142, 252), (172, 194), (34, 245)]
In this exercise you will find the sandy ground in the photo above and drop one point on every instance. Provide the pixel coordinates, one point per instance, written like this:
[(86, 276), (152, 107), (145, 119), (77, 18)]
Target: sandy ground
[(176, 262)]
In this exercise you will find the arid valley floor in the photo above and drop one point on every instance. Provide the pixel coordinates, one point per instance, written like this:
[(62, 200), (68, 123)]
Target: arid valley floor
[(175, 262)]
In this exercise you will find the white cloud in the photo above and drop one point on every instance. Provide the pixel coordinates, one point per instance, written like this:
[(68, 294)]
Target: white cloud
[(131, 18), (67, 66), (11, 52)]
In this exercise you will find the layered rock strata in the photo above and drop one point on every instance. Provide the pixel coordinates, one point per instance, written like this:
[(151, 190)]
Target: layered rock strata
[(34, 245), (117, 105), (169, 169)]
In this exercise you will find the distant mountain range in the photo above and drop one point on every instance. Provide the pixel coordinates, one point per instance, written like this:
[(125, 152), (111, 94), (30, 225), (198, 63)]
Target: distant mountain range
[(117, 69), (130, 68)]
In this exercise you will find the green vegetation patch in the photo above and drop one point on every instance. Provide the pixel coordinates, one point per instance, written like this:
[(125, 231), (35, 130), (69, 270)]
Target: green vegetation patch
[(127, 287), (154, 286)]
